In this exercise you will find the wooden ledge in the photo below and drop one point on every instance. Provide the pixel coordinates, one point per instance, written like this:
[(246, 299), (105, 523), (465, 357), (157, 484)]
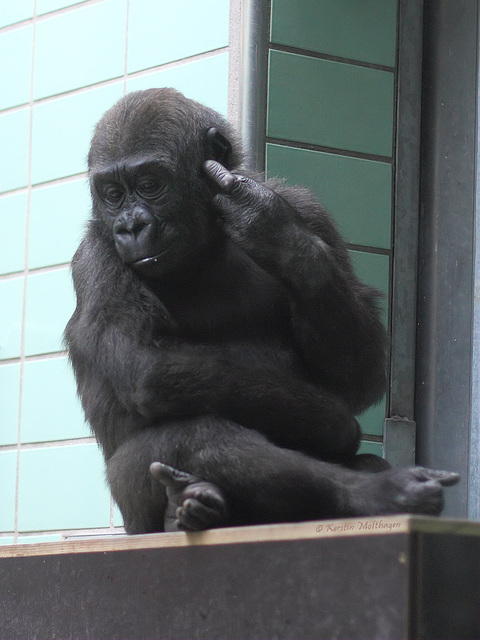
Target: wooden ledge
[(389, 578), (381, 525)]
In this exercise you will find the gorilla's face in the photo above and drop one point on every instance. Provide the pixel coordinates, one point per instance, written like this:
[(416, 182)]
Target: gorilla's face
[(140, 204), (147, 183)]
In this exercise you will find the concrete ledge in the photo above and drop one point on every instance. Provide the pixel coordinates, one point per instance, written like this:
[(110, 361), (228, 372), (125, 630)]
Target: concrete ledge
[(368, 578)]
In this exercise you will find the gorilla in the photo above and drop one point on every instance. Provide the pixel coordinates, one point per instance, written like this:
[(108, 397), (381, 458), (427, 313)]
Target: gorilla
[(221, 342)]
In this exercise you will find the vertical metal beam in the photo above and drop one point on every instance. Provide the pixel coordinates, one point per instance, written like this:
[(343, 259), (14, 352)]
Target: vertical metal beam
[(474, 467), (405, 236), (398, 433), (446, 241), (255, 37)]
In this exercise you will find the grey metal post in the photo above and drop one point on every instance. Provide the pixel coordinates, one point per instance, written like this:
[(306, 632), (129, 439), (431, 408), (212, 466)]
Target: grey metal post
[(399, 429), (255, 36), (474, 466), (446, 249)]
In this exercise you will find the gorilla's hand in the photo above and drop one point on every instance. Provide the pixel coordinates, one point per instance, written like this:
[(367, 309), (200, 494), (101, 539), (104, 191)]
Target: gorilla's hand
[(270, 230), (250, 211), (193, 503)]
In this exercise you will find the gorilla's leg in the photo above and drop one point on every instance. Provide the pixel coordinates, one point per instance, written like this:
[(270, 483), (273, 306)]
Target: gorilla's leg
[(224, 474), (235, 476), (194, 504), (367, 462)]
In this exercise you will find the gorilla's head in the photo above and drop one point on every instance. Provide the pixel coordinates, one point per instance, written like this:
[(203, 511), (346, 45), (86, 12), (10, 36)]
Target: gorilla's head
[(147, 184)]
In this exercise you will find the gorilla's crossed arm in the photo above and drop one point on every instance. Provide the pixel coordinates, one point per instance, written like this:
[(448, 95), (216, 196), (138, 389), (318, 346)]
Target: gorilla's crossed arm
[(334, 319), (221, 338)]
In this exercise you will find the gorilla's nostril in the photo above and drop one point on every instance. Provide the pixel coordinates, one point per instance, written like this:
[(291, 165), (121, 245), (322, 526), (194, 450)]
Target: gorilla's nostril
[(131, 228), (138, 227)]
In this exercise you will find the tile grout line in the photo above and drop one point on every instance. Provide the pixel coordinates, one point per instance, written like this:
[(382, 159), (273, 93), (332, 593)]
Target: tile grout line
[(197, 57), (48, 15), (25, 274)]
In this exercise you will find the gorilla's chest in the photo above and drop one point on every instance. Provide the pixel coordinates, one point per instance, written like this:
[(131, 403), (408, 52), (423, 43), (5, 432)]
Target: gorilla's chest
[(232, 303), (241, 313)]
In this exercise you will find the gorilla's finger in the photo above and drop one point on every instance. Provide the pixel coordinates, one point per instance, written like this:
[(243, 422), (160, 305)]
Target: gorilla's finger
[(169, 476), (231, 184), (221, 176)]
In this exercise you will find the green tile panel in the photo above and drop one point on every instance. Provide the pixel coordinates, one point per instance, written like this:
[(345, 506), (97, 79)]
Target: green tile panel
[(357, 192), (62, 488), (330, 104), (63, 207), (50, 303), (371, 447), (371, 420), (204, 80), (16, 73), (373, 269), (11, 307), (8, 472), (12, 11), (13, 213), (9, 403), (364, 31), (15, 136), (50, 407), (63, 128), (89, 47), (161, 32)]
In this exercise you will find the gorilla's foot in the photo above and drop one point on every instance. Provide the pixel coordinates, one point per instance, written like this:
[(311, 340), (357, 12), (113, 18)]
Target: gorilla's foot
[(414, 490), (193, 503)]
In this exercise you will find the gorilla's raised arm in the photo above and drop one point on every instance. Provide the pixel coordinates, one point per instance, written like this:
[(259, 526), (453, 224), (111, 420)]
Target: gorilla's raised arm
[(335, 316)]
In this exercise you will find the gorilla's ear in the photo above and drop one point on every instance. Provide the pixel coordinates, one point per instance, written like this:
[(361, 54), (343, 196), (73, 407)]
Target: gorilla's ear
[(217, 147)]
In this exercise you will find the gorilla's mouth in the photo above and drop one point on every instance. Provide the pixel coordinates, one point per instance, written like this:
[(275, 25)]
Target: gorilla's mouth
[(150, 261), (147, 261)]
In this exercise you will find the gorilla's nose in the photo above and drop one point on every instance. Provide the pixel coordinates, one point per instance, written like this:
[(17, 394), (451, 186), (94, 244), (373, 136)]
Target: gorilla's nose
[(132, 225)]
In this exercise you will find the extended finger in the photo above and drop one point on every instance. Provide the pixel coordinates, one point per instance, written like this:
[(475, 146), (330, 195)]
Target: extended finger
[(228, 182)]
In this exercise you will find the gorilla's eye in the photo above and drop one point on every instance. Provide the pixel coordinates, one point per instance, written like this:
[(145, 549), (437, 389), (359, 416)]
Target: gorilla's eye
[(149, 187), (113, 195)]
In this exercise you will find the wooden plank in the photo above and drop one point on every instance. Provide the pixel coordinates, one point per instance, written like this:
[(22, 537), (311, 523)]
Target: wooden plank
[(238, 535), (233, 535)]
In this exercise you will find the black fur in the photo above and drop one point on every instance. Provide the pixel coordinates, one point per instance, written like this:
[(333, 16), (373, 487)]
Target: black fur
[(220, 330)]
